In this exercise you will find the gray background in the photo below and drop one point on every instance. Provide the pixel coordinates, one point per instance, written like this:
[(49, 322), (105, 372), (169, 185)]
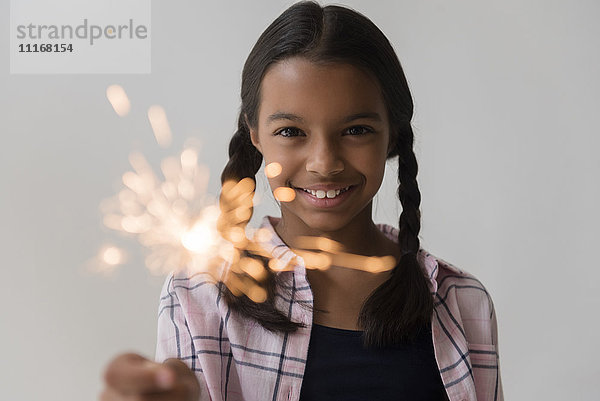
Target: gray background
[(506, 128)]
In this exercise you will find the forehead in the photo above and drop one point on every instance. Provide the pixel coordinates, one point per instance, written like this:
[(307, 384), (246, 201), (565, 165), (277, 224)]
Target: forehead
[(299, 86)]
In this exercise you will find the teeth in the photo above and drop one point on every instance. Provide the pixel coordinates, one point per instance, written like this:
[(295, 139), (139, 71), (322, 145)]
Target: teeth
[(320, 194)]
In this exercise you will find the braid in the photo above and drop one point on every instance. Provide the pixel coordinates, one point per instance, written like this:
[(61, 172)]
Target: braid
[(244, 158), (244, 162), (401, 306), (409, 195)]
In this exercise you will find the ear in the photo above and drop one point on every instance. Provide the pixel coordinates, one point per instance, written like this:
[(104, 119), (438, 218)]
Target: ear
[(253, 135)]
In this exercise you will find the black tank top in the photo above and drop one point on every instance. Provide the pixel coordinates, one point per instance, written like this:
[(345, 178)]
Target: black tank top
[(338, 367)]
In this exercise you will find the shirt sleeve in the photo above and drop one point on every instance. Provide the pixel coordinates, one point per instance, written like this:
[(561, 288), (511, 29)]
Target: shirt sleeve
[(494, 327), (174, 339)]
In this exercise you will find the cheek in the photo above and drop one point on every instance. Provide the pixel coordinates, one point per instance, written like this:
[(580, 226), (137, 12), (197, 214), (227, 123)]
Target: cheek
[(276, 182), (371, 163), (289, 165)]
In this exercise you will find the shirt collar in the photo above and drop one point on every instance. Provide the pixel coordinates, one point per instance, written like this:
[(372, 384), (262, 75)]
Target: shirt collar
[(276, 247)]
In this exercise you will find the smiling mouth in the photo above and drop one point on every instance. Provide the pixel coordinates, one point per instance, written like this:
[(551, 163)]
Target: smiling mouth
[(330, 194)]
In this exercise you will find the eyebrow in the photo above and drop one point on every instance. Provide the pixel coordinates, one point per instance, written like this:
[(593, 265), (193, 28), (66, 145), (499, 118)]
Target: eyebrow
[(292, 117)]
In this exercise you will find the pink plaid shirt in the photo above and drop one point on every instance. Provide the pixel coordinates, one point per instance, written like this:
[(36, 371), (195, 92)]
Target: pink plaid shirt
[(236, 359)]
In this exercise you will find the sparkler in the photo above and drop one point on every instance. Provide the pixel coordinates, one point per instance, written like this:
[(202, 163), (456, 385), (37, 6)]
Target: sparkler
[(185, 228)]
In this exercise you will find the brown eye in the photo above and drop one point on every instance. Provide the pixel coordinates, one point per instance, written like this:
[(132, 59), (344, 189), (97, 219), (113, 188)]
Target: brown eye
[(359, 130), (291, 132)]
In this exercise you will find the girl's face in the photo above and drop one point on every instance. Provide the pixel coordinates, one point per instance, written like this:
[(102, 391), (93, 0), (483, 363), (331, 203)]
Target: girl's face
[(328, 128)]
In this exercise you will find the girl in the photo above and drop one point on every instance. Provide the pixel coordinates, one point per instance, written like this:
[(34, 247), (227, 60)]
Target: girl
[(324, 95)]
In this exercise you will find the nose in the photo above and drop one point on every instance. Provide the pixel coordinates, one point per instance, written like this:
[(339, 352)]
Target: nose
[(324, 157)]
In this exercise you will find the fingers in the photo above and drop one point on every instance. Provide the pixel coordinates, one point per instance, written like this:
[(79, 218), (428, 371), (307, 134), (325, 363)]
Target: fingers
[(186, 386), (134, 374), (179, 393), (110, 394), (131, 377), (181, 369)]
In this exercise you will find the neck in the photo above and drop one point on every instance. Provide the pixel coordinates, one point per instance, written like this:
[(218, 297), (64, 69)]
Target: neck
[(340, 292)]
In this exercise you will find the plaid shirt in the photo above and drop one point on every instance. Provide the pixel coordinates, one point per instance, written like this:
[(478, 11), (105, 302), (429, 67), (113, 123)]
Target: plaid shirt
[(236, 359)]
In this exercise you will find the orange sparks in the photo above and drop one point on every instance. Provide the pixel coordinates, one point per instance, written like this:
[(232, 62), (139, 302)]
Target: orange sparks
[(273, 169), (263, 235), (284, 194), (253, 267), (322, 243), (314, 260), (257, 294)]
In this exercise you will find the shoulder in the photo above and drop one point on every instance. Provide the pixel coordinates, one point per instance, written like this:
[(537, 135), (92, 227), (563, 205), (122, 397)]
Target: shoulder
[(450, 273), (464, 300), (194, 292)]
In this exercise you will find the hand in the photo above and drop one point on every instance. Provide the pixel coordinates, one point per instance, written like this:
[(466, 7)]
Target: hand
[(133, 377)]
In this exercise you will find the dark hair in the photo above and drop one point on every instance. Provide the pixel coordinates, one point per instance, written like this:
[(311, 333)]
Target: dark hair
[(399, 307)]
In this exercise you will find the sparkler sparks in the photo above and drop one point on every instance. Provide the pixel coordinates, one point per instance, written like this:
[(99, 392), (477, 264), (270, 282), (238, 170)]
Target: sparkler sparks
[(173, 217), (284, 194), (112, 256), (185, 228), (118, 99), (160, 125), (273, 170), (108, 258)]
